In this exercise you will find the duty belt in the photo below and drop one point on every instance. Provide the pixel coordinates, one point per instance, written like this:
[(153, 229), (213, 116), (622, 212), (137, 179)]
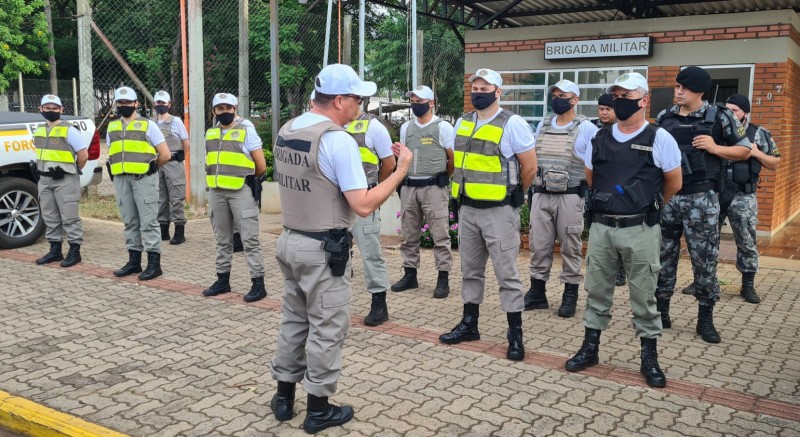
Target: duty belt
[(419, 182), (581, 191), (49, 174), (320, 235), (619, 222), (697, 188), (748, 188), (484, 204)]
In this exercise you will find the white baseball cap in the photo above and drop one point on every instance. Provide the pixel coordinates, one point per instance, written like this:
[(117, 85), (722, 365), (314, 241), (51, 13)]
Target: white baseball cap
[(161, 96), (488, 75), (566, 86), (49, 98), (124, 93), (340, 79), (313, 94), (224, 99), (629, 81), (422, 92)]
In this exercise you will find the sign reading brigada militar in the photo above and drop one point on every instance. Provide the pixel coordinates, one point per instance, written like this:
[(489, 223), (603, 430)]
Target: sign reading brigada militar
[(599, 48)]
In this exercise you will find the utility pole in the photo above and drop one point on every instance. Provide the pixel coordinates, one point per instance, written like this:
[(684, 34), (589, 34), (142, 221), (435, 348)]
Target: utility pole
[(244, 58), (347, 39), (197, 102), (51, 55), (85, 60), (274, 58)]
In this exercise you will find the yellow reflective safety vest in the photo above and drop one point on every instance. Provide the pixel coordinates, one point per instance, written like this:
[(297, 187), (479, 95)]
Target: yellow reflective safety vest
[(227, 164), (481, 171), (369, 160), (129, 151), (52, 149)]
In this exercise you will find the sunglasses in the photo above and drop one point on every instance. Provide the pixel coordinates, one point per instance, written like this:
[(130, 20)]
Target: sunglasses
[(358, 99)]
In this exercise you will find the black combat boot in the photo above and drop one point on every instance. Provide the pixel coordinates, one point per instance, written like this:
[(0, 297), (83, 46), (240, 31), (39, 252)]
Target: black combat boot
[(536, 298), (164, 231), (467, 328), (621, 276), (177, 237), (52, 256), (689, 289), (134, 264), (237, 242), (322, 415), (749, 288), (587, 354), (221, 285), (516, 348), (442, 286), (408, 281), (569, 301), (282, 402), (649, 368), (73, 255), (662, 305), (153, 269), (257, 290), (705, 324), (378, 312)]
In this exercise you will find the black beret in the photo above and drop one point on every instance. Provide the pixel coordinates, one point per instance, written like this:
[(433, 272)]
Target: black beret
[(694, 78), (606, 100), (741, 101)]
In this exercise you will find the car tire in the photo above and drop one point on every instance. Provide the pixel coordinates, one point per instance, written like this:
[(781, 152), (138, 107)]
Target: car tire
[(21, 222)]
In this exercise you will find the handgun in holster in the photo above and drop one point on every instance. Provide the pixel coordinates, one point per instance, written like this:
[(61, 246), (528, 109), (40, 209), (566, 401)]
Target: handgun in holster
[(34, 171), (337, 244), (108, 168)]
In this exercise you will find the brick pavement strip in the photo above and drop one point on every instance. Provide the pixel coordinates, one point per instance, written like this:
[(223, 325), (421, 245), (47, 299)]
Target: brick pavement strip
[(173, 363)]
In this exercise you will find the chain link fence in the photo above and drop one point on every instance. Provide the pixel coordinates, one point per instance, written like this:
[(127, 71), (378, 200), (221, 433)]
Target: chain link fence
[(146, 37)]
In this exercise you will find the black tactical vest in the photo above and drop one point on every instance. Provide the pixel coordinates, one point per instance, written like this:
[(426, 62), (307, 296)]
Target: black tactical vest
[(625, 179), (698, 166), (745, 173)]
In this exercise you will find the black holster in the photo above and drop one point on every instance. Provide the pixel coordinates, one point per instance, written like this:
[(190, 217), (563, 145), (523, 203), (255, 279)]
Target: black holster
[(57, 173), (442, 179), (34, 171), (178, 156), (152, 169), (108, 168), (338, 244), (517, 197)]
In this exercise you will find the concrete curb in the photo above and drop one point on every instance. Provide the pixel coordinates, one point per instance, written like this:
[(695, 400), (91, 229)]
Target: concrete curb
[(29, 418)]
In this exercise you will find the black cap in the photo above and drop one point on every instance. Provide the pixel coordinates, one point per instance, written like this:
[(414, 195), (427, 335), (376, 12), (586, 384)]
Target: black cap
[(741, 101), (606, 100), (694, 78)]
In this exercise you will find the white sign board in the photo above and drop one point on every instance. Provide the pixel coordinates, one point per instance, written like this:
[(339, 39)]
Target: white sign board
[(599, 48)]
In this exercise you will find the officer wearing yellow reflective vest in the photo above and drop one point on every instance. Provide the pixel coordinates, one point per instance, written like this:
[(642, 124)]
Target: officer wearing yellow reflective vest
[(60, 156), (375, 148), (234, 155), (136, 148), (495, 163), (424, 196)]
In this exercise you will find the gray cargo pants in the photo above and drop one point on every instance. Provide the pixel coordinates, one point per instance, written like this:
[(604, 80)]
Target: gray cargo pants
[(419, 205), (236, 207), (58, 200), (171, 193), (137, 200), (315, 316), (556, 215), (367, 234)]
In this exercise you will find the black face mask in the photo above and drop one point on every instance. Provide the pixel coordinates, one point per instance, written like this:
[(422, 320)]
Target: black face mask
[(51, 116), (162, 109), (225, 118), (625, 108), (560, 105), (125, 111), (482, 101), (420, 109)]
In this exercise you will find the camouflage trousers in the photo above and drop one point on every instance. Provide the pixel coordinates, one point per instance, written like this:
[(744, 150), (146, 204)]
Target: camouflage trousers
[(743, 217), (695, 216)]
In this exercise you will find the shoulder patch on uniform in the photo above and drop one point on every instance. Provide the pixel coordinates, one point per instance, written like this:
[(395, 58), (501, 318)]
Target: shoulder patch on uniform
[(359, 125), (137, 125), (642, 147)]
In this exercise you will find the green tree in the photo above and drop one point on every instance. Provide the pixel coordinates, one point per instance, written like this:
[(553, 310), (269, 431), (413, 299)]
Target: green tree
[(23, 39)]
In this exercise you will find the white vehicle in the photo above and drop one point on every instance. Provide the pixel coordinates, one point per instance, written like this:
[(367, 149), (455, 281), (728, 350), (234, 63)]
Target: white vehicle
[(21, 222)]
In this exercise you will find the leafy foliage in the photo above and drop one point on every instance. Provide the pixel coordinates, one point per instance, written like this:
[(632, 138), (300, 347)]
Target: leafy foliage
[(23, 39)]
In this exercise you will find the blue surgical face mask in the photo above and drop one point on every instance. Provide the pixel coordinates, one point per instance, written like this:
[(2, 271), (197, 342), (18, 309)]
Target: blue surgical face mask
[(561, 105)]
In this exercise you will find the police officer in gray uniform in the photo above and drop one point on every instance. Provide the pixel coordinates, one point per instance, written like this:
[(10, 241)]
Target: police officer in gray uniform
[(707, 135), (375, 148), (322, 188), (645, 163), (60, 155), (557, 202), (136, 147), (172, 175), (234, 157), (424, 193), (743, 211)]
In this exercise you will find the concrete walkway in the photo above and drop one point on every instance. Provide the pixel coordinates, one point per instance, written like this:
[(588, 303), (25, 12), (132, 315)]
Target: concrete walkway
[(158, 359)]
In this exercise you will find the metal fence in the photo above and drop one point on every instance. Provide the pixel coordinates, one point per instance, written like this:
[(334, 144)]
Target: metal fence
[(145, 34)]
